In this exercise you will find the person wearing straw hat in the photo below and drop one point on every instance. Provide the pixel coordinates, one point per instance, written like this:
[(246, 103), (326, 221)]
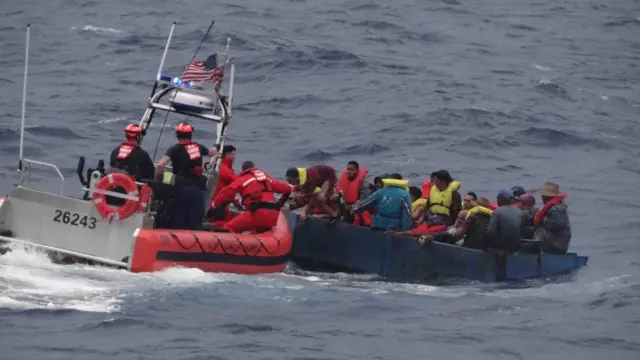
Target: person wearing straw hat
[(553, 227)]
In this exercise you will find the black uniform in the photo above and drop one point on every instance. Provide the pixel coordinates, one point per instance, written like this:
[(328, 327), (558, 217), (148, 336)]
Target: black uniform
[(186, 161), (132, 159)]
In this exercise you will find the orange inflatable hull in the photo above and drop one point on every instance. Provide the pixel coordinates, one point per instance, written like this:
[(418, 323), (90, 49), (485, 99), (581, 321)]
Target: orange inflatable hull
[(157, 249)]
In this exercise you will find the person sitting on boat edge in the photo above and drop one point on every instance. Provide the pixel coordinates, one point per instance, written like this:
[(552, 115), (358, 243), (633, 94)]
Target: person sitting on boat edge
[(307, 180), (352, 187), (187, 176), (457, 231), (392, 204), (505, 224), (257, 189), (418, 205), (444, 198), (553, 232), (226, 176), (130, 158)]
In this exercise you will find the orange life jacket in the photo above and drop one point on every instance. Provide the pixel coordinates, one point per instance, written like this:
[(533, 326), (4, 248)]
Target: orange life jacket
[(351, 189), (537, 220), (426, 189)]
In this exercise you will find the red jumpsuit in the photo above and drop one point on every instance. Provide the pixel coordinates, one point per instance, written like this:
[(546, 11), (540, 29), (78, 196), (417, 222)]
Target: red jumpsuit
[(226, 177), (257, 190)]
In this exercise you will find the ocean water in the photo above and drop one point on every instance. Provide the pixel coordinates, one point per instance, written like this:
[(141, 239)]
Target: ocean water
[(498, 92)]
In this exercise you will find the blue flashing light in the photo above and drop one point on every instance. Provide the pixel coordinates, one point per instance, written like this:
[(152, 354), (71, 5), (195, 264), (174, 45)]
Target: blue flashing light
[(191, 83), (176, 80), (159, 77)]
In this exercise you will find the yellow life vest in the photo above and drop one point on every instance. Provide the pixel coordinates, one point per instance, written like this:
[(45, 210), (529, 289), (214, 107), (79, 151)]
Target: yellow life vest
[(478, 209), (169, 178), (403, 184), (302, 175), (419, 202), (440, 201)]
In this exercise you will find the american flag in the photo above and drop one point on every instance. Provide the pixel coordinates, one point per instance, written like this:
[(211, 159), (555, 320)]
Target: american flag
[(205, 70)]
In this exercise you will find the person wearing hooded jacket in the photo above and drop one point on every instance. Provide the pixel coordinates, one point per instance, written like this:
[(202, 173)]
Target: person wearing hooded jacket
[(392, 205)]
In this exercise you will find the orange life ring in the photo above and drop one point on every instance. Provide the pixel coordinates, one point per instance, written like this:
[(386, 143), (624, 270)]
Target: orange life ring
[(109, 182), (145, 197)]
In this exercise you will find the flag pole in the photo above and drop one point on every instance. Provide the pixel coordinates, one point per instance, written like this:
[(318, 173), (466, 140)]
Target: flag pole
[(24, 101), (166, 49)]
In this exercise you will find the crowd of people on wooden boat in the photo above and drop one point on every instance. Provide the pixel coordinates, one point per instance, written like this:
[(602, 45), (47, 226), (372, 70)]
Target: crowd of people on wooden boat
[(438, 209)]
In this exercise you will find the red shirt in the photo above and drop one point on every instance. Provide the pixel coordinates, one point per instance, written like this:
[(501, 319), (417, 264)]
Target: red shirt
[(317, 175)]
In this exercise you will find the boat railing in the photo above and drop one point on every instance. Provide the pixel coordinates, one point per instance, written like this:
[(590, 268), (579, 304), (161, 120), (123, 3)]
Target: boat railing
[(26, 171)]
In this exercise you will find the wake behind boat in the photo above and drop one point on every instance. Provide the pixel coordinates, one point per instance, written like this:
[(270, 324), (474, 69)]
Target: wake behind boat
[(131, 236)]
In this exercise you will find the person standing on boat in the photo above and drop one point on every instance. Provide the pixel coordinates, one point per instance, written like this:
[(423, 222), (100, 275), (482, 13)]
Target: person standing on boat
[(319, 183), (553, 227), (186, 161), (225, 177), (392, 204), (257, 189), (505, 224), (130, 158)]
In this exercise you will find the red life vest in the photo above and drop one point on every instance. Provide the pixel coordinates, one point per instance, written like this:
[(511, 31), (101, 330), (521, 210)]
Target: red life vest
[(493, 206), (537, 220), (426, 189), (256, 187), (126, 148), (351, 188), (195, 157)]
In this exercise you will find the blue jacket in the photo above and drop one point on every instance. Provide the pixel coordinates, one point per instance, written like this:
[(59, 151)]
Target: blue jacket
[(393, 208)]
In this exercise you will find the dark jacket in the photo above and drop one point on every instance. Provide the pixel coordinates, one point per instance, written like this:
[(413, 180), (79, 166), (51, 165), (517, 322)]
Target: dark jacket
[(504, 228), (555, 230), (475, 237)]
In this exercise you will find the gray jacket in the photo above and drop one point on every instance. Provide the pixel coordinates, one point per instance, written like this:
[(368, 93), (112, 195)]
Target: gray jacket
[(555, 230)]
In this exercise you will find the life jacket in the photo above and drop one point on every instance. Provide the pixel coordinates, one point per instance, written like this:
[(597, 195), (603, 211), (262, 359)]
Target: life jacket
[(440, 202), (537, 220), (426, 187), (126, 148), (419, 202), (255, 193), (493, 206), (403, 184), (302, 176), (478, 209), (194, 168), (351, 188)]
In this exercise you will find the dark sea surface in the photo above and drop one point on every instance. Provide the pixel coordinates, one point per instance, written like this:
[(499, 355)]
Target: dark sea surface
[(499, 92)]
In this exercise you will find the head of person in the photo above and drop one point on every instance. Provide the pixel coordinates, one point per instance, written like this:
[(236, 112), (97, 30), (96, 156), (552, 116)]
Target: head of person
[(247, 165), (484, 202), (527, 201), (293, 177), (441, 179), (469, 200), (395, 176), (415, 193), (133, 132), (184, 131), (517, 191), (352, 170), (504, 198), (377, 181), (228, 153), (549, 191)]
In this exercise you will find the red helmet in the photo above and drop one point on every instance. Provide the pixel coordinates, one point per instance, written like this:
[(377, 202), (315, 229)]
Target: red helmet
[(133, 130), (184, 128)]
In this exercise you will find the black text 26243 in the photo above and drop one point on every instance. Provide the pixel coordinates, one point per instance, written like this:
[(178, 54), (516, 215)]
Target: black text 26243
[(74, 219)]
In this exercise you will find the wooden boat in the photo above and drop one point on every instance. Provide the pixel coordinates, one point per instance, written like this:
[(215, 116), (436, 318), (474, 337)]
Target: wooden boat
[(319, 245)]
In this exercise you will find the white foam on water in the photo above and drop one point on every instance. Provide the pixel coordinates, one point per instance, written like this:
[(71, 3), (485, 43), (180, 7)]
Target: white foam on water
[(97, 29)]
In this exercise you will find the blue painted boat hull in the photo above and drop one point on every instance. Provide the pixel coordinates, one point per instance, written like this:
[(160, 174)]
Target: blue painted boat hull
[(321, 246)]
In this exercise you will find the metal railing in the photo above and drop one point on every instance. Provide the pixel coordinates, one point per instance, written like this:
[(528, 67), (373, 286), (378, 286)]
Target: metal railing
[(34, 162)]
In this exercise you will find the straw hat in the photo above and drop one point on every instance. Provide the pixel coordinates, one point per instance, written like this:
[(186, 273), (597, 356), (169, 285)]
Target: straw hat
[(550, 189)]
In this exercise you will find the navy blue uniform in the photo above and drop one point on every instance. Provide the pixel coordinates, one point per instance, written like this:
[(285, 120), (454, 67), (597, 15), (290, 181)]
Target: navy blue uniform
[(186, 160), (129, 157)]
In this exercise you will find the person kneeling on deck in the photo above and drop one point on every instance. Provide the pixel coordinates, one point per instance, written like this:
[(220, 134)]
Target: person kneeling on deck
[(257, 189), (444, 198), (553, 227), (505, 224), (307, 180), (130, 158), (392, 204), (186, 161)]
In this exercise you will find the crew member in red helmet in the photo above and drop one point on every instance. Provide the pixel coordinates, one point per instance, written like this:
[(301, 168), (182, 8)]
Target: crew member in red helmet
[(256, 189), (130, 158), (186, 162)]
